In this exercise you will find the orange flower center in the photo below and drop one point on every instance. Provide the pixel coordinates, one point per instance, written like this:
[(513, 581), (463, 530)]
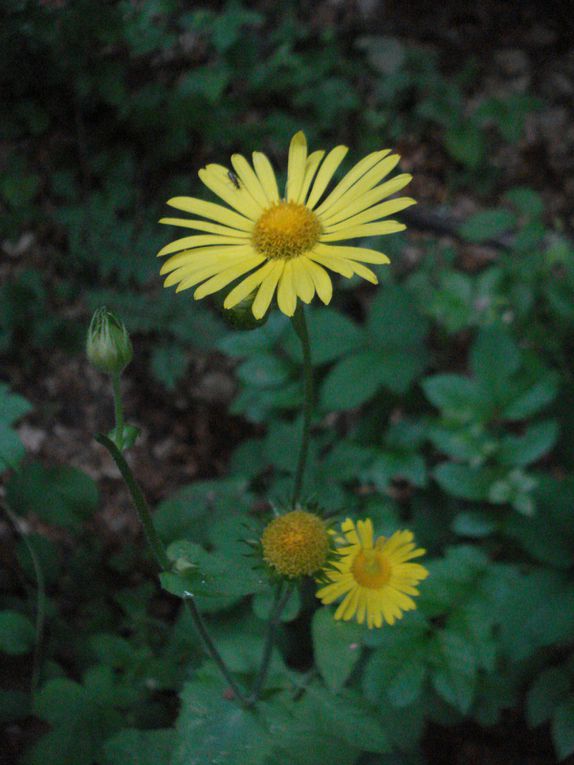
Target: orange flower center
[(296, 544), (286, 230), (371, 569)]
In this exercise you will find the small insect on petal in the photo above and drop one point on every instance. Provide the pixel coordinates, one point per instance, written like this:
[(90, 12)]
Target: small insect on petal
[(234, 179)]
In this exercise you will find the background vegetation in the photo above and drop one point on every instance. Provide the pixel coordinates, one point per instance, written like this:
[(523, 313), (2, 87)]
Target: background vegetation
[(444, 396)]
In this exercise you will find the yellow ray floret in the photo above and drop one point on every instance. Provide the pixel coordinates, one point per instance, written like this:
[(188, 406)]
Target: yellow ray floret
[(267, 246), (374, 577)]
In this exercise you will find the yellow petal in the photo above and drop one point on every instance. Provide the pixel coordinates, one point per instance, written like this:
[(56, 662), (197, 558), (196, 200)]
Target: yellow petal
[(200, 240), (368, 229), (367, 199), (213, 211), (247, 286), (332, 262), (194, 278), (354, 174), (313, 162), (216, 178), (373, 213), (296, 166), (205, 253), (302, 281), (353, 253), (247, 177), (322, 281), (328, 169), (267, 290), (266, 176), (362, 186), (364, 272), (286, 295), (202, 225), (223, 278), (365, 532)]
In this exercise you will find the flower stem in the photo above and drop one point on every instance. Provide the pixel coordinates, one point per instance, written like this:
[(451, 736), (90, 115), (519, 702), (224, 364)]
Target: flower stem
[(118, 411), (209, 646), (282, 595), (300, 327), (142, 508), (158, 550)]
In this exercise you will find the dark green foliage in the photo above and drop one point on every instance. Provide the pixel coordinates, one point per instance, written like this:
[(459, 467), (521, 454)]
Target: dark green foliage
[(443, 401)]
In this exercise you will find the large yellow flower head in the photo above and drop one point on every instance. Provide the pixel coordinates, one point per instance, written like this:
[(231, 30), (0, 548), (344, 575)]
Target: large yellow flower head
[(296, 544), (375, 576), (284, 244)]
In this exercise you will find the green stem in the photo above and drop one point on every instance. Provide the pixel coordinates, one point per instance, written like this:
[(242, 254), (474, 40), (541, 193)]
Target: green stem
[(159, 553), (40, 599), (140, 503), (118, 410), (281, 599), (209, 646), (300, 327)]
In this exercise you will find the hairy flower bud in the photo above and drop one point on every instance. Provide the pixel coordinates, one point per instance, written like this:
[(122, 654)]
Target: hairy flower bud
[(108, 345)]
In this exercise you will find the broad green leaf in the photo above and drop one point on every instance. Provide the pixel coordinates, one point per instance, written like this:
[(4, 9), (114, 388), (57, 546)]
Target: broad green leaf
[(349, 717), (494, 357), (213, 728), (352, 381), (530, 401), (474, 524), (464, 481), (548, 690), (17, 633), (487, 224), (526, 200), (332, 335), (73, 495), (394, 321), (454, 673), (563, 728), (169, 363), (396, 671), (139, 747), (465, 141), (337, 647), (264, 370), (538, 439), (82, 717), (460, 398)]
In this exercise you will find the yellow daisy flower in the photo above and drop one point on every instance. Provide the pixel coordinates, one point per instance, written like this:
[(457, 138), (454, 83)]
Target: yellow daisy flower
[(287, 243), (375, 576)]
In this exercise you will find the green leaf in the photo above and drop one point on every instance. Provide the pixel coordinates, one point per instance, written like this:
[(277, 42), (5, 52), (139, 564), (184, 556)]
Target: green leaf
[(459, 397), (139, 747), (212, 728), (487, 224), (454, 675), (538, 439), (474, 524), (17, 633), (464, 481), (527, 402), (563, 728), (82, 717), (396, 671), (12, 408), (550, 687), (73, 495), (351, 382), (494, 357), (526, 200), (262, 604), (263, 370), (351, 718), (332, 334), (337, 647), (465, 141)]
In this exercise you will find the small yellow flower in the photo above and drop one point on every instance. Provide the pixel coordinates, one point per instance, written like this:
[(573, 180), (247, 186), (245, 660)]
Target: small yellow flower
[(375, 576), (284, 243), (296, 544)]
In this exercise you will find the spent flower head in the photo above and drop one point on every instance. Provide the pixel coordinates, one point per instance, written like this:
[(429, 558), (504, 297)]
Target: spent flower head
[(271, 244), (108, 345), (375, 576), (296, 544)]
